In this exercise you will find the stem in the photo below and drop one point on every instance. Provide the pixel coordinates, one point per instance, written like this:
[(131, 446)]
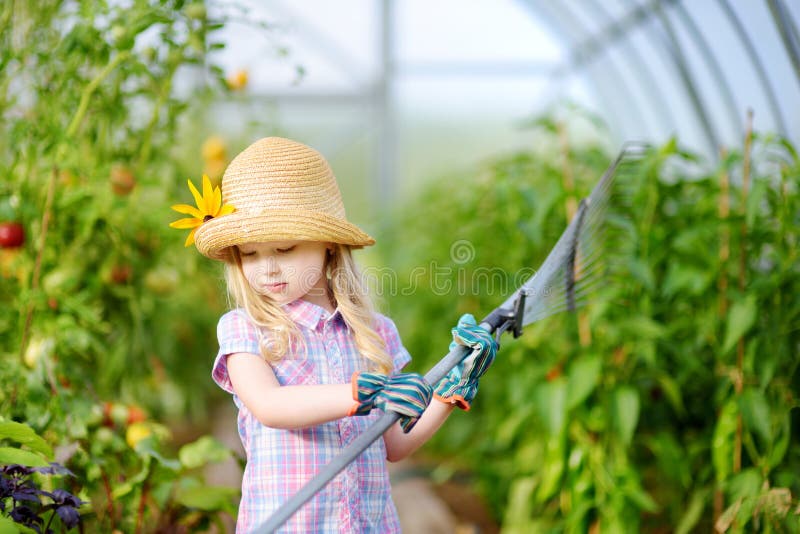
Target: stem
[(6, 17), (738, 385), (787, 236), (37, 269), (50, 521), (568, 181), (567, 176), (724, 254), (748, 141), (110, 499), (724, 249), (719, 504), (89, 90), (148, 133), (140, 510)]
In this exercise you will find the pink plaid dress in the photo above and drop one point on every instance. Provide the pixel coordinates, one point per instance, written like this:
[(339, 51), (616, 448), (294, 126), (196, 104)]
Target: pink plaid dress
[(280, 462)]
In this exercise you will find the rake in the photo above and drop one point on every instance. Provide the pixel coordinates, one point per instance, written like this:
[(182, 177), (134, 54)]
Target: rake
[(567, 276)]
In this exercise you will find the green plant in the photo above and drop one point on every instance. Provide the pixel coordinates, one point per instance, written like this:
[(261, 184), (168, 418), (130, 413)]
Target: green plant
[(159, 492), (24, 504), (668, 402), (92, 313)]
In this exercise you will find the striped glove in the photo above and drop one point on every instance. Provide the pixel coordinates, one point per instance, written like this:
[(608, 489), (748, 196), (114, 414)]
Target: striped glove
[(460, 385), (407, 394)]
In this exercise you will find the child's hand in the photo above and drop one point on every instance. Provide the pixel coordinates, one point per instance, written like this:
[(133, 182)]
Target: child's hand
[(460, 385), (405, 393)]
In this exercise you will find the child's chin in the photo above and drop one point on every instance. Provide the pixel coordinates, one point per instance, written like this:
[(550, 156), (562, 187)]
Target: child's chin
[(276, 298)]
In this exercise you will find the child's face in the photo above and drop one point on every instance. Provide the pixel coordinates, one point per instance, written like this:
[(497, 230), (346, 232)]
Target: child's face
[(285, 271)]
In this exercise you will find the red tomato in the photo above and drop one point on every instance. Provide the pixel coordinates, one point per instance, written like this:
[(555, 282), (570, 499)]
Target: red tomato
[(553, 373), (122, 180), (135, 415), (12, 235), (121, 274)]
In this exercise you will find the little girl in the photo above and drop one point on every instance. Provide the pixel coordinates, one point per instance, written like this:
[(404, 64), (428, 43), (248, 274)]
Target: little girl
[(303, 353)]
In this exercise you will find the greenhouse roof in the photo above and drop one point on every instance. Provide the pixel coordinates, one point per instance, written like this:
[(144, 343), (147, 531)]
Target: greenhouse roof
[(649, 69)]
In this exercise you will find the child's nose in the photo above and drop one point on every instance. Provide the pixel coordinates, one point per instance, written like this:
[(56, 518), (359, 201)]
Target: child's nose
[(271, 264)]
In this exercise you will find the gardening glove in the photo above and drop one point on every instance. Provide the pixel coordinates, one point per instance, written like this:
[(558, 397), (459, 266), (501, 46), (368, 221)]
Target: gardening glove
[(407, 394), (460, 385)]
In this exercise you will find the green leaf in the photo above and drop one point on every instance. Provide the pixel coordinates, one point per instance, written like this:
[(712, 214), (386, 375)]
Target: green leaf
[(693, 512), (746, 483), (551, 402), (625, 410), (10, 455), (203, 451), (583, 376), (24, 435), (746, 513), (128, 486), (682, 279), (552, 468), (8, 526), (146, 448), (207, 498), (641, 271), (639, 497), (643, 327), (672, 390), (520, 504), (781, 444), (669, 148), (722, 441), (671, 458), (756, 413), (741, 318)]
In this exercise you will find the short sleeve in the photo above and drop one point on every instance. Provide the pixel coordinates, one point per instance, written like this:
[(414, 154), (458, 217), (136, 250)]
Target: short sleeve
[(394, 346), (235, 333)]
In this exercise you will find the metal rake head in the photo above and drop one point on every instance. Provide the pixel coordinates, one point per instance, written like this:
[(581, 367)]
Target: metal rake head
[(577, 262)]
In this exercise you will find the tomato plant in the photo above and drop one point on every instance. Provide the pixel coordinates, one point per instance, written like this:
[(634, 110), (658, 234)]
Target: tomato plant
[(98, 351)]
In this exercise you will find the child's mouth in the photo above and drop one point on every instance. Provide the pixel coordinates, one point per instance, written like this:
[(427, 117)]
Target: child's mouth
[(276, 287)]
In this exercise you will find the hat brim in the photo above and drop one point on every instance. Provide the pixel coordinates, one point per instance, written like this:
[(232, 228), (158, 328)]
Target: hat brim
[(216, 235)]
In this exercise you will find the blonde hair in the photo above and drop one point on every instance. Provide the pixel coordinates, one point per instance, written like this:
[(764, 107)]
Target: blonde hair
[(350, 296)]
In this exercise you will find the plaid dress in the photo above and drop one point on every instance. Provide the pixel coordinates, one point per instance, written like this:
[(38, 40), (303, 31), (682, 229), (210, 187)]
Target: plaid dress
[(280, 462)]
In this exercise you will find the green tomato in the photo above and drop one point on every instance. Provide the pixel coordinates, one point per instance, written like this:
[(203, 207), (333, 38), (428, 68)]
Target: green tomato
[(118, 33), (104, 435), (77, 430), (119, 414), (161, 281), (61, 280), (95, 416), (38, 348)]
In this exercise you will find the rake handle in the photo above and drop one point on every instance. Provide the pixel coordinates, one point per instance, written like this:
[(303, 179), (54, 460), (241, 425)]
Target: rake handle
[(364, 440)]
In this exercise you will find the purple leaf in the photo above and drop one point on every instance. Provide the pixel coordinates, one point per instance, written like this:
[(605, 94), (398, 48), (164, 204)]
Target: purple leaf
[(69, 516)]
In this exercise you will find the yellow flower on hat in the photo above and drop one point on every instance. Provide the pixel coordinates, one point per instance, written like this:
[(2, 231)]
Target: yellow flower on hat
[(209, 206)]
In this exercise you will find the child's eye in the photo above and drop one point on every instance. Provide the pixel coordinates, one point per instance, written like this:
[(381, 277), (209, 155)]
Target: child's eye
[(246, 252), (285, 250)]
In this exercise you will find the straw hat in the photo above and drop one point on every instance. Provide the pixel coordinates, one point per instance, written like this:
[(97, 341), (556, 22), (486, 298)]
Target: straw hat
[(281, 190)]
